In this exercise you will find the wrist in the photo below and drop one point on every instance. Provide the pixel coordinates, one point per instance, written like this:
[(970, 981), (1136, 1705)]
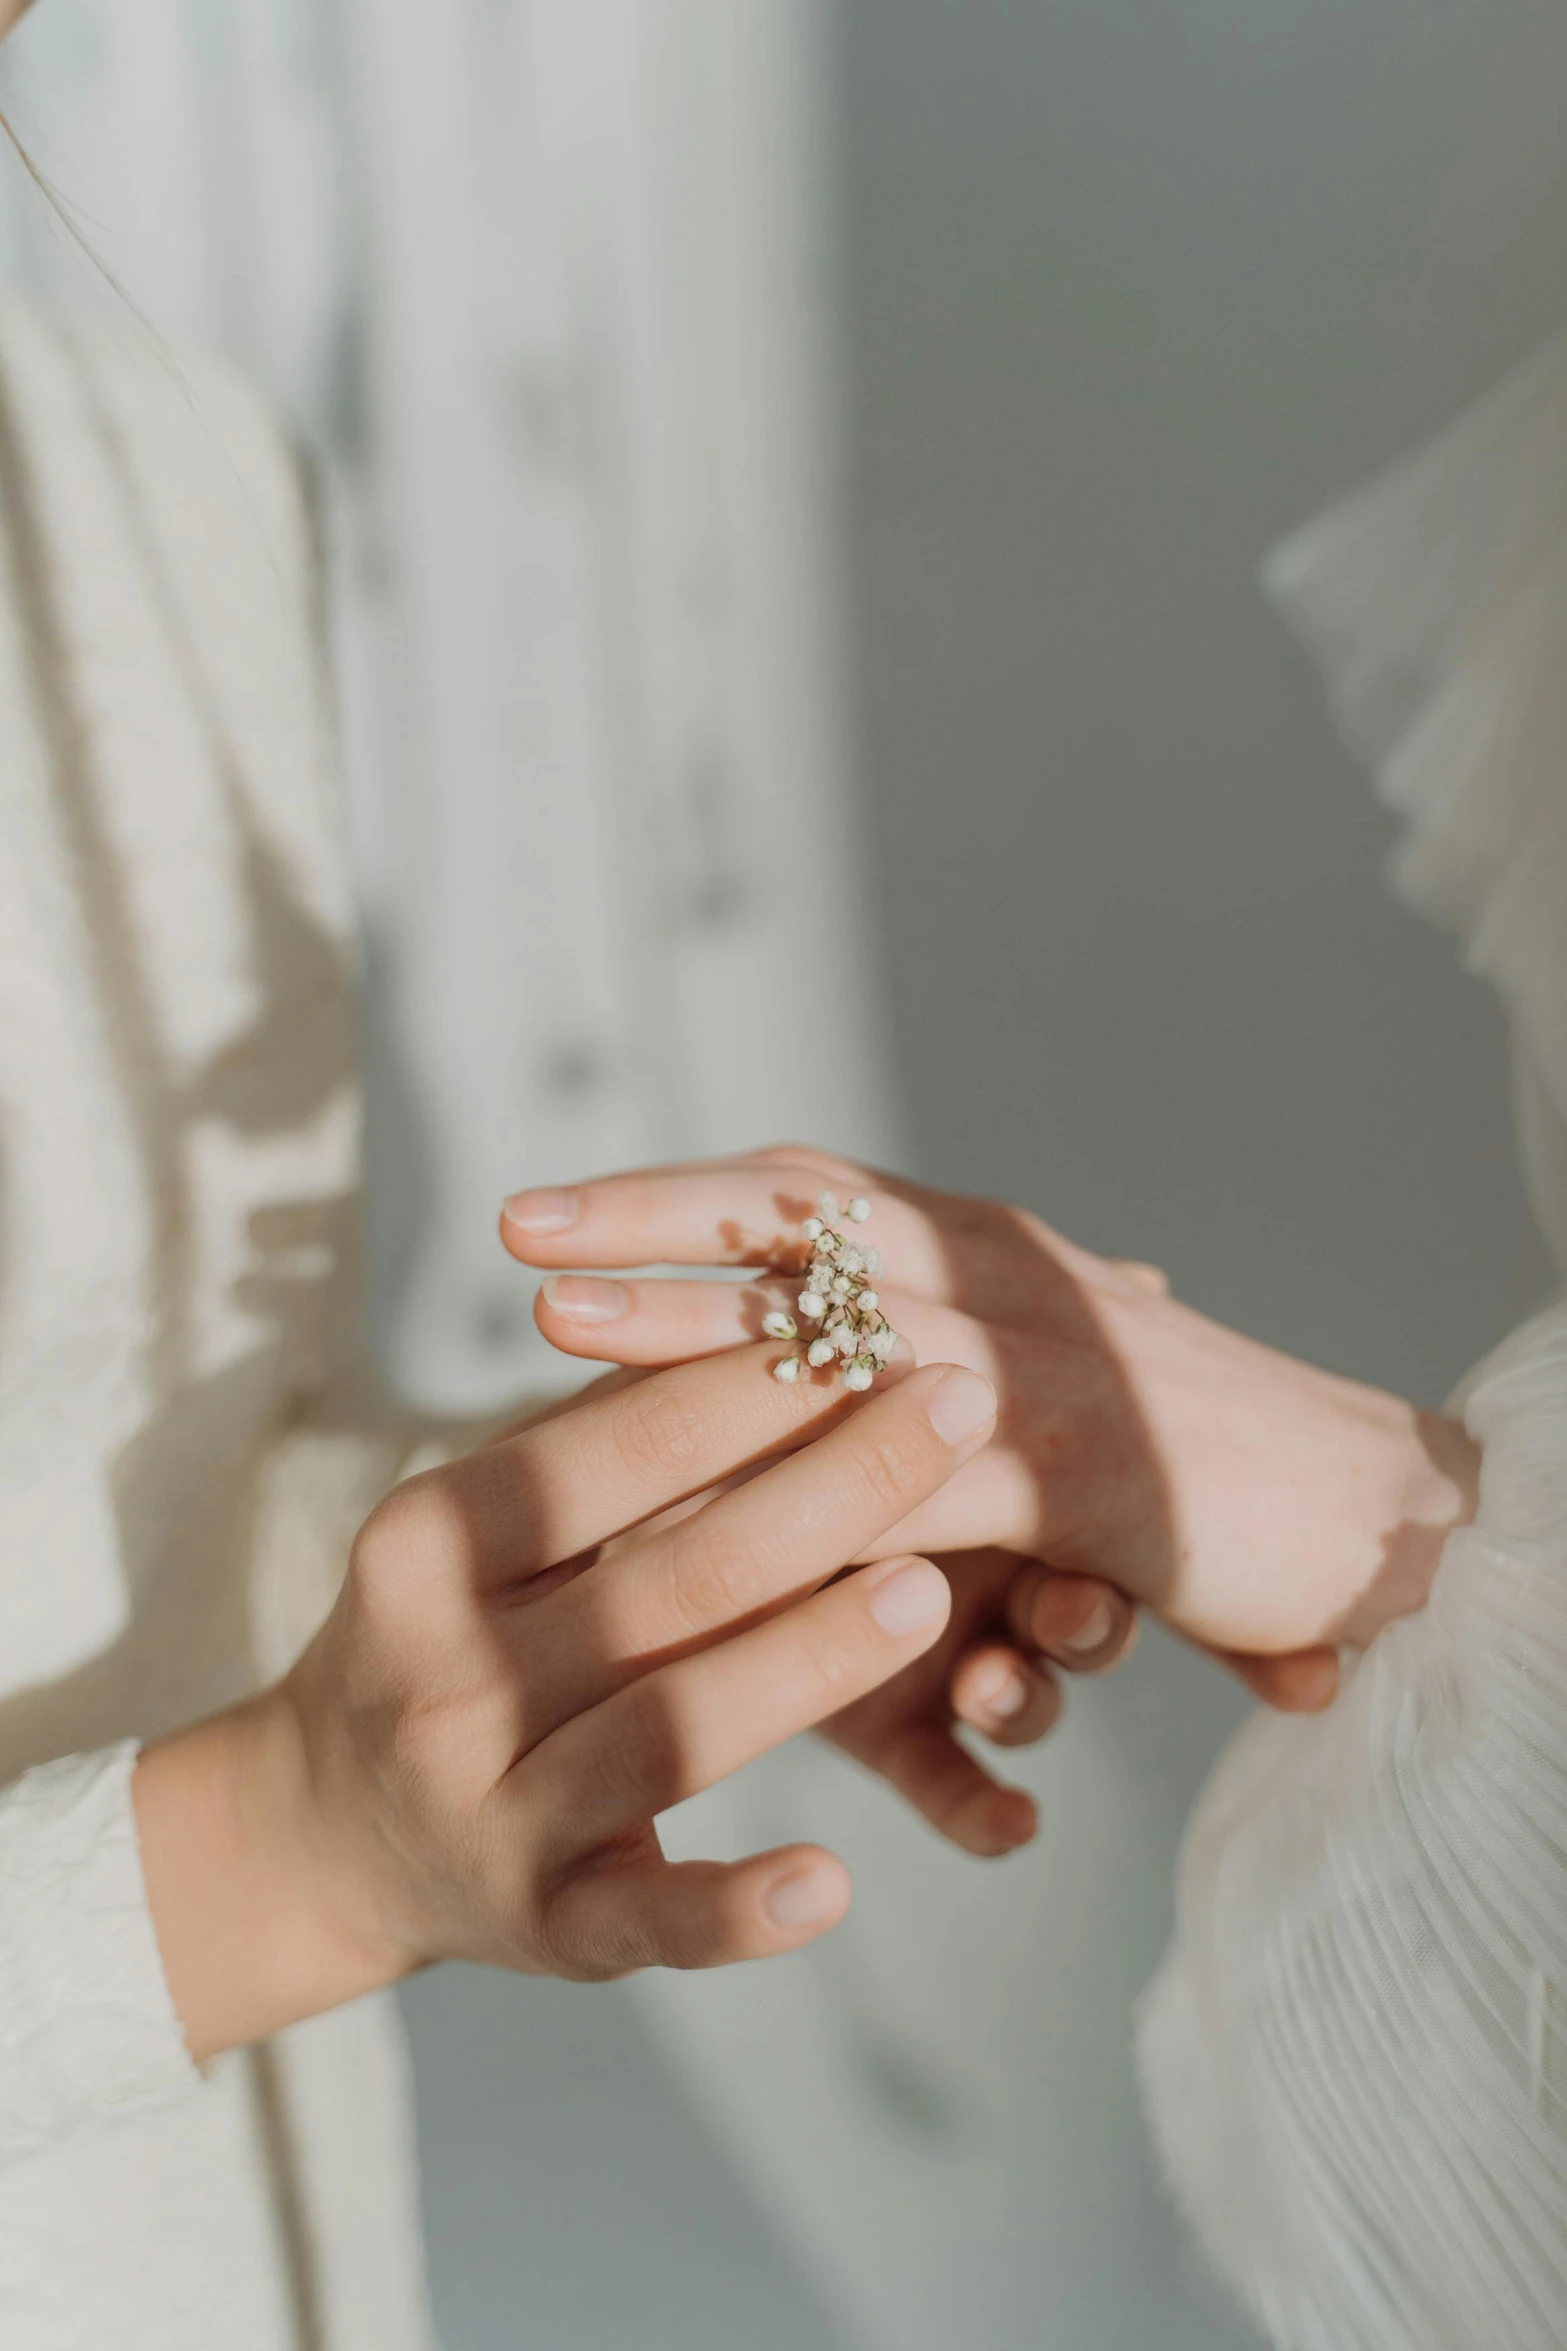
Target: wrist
[(253, 1921)]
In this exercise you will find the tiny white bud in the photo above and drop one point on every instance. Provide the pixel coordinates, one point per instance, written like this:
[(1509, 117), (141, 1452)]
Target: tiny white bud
[(820, 1351), (840, 1285), (859, 1373), (780, 1326), (787, 1369), (868, 1301), (846, 1339), (827, 1202), (857, 1211), (882, 1342), (812, 1228), (811, 1306)]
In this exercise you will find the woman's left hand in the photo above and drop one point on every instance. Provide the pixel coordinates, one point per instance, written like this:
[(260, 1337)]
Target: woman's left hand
[(984, 1674)]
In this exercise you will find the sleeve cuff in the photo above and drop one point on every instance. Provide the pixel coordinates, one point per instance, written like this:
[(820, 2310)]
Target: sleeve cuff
[(88, 2031)]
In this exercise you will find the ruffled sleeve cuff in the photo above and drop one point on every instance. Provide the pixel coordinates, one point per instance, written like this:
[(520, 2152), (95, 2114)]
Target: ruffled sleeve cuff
[(1435, 605), (88, 2030), (1354, 2058)]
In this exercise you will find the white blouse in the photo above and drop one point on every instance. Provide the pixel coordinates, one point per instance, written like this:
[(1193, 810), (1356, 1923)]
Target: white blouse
[(184, 1444), (1355, 2056)]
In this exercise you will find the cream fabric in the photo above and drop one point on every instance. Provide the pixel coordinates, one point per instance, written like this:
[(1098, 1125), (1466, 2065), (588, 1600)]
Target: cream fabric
[(178, 1120), (1355, 2057)]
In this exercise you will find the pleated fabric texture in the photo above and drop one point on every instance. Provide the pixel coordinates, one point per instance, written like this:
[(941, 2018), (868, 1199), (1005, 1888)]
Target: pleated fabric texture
[(1354, 2057)]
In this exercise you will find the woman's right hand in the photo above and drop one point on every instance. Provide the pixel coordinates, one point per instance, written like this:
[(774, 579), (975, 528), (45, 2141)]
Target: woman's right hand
[(468, 1759)]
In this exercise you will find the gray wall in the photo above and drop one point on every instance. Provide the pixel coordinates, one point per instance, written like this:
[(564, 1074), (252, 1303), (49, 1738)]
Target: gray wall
[(1129, 289), (1133, 289)]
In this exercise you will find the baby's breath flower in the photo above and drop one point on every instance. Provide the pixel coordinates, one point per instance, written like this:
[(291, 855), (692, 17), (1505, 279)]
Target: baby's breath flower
[(855, 1336)]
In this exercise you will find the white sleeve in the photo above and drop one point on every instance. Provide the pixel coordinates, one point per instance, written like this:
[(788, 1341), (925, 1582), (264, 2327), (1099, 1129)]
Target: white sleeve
[(88, 2031), (1355, 2056)]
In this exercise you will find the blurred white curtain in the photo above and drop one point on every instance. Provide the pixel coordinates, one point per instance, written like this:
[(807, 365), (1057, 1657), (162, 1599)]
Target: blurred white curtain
[(541, 284)]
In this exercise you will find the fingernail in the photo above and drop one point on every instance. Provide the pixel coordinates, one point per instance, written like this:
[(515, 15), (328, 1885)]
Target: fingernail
[(959, 1404), (583, 1298), (1002, 1692), (1093, 1632), (913, 1599), (1015, 1817), (805, 1899), (543, 1212)]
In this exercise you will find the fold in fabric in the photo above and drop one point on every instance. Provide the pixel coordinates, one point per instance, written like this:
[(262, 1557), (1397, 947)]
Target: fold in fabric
[(1354, 2058)]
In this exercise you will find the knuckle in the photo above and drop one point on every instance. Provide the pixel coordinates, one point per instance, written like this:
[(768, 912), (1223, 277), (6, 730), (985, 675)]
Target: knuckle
[(706, 1582), (659, 1430), (794, 1154), (630, 1773), (564, 1951), (416, 1526), (832, 1660), (886, 1473), (691, 1942), (822, 1163)]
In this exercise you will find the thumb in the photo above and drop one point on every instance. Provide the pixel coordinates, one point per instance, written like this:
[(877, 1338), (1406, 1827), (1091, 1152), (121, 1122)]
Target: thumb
[(1304, 1682)]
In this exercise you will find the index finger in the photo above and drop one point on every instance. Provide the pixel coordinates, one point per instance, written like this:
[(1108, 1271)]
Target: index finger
[(723, 1212), (562, 1486), (995, 1260), (755, 1549)]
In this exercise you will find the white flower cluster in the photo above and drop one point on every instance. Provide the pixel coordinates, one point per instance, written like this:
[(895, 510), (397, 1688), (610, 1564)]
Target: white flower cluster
[(839, 1294)]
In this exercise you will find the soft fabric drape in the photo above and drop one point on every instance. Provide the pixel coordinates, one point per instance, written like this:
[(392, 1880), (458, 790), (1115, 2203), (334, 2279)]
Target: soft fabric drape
[(1356, 2053), (187, 1437)]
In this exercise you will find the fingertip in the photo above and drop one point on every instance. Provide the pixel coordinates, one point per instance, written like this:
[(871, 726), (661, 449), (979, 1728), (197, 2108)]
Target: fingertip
[(999, 1821), (1008, 1698), (807, 1897), (1309, 1683), (1085, 1626), (577, 1313), (961, 1405), (1305, 1682), (989, 1687), (910, 1598), (527, 1218)]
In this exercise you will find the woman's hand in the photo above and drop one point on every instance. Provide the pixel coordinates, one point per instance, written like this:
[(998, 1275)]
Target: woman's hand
[(526, 1664), (1266, 1509)]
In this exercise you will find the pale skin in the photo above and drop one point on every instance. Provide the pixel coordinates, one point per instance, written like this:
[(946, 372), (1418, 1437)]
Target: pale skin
[(534, 1654), (537, 1650), (1145, 1456)]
